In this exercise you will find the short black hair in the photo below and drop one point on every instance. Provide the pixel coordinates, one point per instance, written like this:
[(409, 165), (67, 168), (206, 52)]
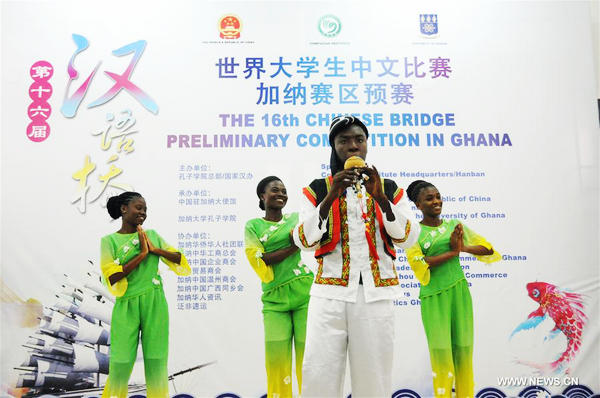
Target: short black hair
[(415, 188), (114, 203), (260, 188)]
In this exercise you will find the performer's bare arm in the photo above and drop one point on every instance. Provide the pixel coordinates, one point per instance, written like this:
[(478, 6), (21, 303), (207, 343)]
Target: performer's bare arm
[(278, 256), (174, 257)]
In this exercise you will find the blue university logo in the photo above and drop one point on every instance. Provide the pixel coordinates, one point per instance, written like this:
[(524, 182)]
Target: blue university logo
[(429, 24)]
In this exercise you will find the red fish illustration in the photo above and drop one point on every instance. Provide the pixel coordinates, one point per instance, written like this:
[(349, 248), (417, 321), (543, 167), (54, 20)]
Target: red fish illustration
[(566, 310)]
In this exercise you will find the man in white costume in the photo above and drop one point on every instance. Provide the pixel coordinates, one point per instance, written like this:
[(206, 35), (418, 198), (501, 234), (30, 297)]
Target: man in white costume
[(352, 222)]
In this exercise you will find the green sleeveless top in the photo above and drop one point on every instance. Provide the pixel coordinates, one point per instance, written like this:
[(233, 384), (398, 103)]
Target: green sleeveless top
[(262, 236)]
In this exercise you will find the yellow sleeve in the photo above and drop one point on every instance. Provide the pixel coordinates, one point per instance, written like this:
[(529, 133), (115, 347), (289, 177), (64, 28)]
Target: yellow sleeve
[(473, 239), (417, 263), (254, 251), (181, 269), (110, 266)]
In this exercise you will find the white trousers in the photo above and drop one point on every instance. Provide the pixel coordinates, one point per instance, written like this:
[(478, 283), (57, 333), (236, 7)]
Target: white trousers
[(364, 331)]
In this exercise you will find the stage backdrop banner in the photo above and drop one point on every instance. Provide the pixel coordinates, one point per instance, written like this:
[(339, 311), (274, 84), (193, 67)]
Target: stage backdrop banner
[(192, 103)]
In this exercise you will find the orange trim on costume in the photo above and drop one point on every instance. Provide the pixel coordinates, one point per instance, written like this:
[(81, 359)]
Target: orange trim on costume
[(334, 224), (374, 212), (302, 237), (398, 195), (343, 281), (406, 233), (383, 233), (310, 195)]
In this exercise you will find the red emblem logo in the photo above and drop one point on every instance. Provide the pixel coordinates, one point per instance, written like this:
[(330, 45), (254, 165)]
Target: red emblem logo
[(230, 27)]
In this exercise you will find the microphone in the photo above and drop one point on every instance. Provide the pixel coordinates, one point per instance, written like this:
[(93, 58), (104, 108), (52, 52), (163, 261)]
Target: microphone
[(358, 162), (354, 161)]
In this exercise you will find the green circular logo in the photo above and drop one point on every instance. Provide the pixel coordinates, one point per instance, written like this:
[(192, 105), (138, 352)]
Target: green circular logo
[(330, 25)]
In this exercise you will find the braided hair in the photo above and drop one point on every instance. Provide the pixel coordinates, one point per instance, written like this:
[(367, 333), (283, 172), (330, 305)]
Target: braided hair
[(415, 188), (114, 203), (260, 189)]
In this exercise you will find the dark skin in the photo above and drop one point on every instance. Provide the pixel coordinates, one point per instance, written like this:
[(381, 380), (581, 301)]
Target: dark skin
[(429, 201), (348, 143), (274, 198), (133, 216)]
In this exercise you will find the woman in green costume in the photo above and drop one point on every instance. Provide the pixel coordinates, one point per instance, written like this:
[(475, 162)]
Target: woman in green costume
[(286, 285), (446, 307), (129, 264)]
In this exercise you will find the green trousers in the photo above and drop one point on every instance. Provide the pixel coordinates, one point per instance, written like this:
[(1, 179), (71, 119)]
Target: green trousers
[(144, 315), (448, 321), (284, 315)]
